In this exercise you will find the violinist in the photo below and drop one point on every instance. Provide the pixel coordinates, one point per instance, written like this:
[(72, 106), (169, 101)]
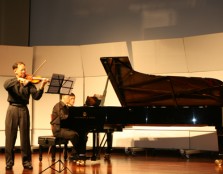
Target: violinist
[(19, 91)]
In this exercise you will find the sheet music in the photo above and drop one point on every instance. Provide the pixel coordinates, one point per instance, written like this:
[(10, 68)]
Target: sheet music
[(60, 86), (67, 87)]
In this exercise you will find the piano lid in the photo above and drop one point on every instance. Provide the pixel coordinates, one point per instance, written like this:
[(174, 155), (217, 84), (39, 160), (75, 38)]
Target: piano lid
[(137, 89)]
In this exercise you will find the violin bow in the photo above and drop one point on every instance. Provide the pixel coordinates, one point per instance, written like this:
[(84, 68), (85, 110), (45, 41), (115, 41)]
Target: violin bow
[(39, 67)]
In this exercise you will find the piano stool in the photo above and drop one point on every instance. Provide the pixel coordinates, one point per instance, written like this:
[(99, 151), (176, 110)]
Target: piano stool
[(51, 142)]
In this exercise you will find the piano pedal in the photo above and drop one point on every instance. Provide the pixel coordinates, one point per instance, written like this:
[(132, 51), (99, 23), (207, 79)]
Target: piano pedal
[(130, 151), (81, 162), (127, 151)]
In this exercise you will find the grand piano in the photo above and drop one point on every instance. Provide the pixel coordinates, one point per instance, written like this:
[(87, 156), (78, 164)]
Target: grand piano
[(150, 100)]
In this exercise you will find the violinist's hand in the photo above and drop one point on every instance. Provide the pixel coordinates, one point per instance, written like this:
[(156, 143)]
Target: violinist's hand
[(23, 81), (43, 82)]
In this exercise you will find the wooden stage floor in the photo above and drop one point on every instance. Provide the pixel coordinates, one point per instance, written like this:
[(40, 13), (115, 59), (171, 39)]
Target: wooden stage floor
[(144, 162)]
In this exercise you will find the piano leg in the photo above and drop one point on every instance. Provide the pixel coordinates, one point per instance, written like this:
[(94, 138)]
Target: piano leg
[(95, 151), (219, 161), (220, 140), (97, 145), (109, 144)]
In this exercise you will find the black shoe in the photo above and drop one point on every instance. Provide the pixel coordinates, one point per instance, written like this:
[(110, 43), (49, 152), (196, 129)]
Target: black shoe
[(8, 167), (29, 167)]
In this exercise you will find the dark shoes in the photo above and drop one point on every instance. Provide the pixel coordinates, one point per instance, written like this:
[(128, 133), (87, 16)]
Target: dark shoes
[(29, 167), (8, 167)]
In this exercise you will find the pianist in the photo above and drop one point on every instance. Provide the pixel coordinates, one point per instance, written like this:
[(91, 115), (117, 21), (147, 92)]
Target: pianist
[(60, 112)]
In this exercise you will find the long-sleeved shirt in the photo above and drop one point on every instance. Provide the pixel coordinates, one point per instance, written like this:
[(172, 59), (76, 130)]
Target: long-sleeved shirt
[(60, 112), (20, 94)]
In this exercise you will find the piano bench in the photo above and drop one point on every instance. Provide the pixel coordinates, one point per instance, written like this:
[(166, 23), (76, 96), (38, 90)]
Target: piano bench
[(51, 142)]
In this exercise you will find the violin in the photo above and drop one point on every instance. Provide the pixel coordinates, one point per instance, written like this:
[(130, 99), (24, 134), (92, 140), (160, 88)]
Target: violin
[(36, 79)]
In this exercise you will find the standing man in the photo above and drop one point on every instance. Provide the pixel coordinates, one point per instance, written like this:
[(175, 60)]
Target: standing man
[(19, 90)]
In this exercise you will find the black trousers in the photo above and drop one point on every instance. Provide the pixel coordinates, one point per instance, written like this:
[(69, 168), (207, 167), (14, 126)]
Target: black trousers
[(77, 138), (17, 117), (70, 135)]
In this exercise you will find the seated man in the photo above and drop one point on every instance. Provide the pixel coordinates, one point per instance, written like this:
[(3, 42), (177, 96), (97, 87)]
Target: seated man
[(82, 130), (60, 112)]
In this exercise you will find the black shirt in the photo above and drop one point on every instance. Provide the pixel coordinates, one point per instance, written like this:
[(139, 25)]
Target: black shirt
[(20, 94)]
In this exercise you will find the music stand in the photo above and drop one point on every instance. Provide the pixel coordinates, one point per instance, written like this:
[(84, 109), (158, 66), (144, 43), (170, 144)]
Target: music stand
[(59, 86)]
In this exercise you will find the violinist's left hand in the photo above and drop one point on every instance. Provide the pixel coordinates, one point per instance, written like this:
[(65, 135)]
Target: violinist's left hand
[(43, 82)]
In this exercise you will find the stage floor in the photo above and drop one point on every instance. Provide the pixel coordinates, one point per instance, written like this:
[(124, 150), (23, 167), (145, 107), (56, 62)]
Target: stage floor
[(143, 162)]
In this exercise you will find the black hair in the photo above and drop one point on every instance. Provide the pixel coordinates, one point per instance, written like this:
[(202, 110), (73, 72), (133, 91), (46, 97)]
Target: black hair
[(72, 94), (15, 65)]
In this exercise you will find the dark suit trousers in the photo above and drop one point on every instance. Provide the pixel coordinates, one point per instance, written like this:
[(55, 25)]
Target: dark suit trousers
[(17, 117)]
